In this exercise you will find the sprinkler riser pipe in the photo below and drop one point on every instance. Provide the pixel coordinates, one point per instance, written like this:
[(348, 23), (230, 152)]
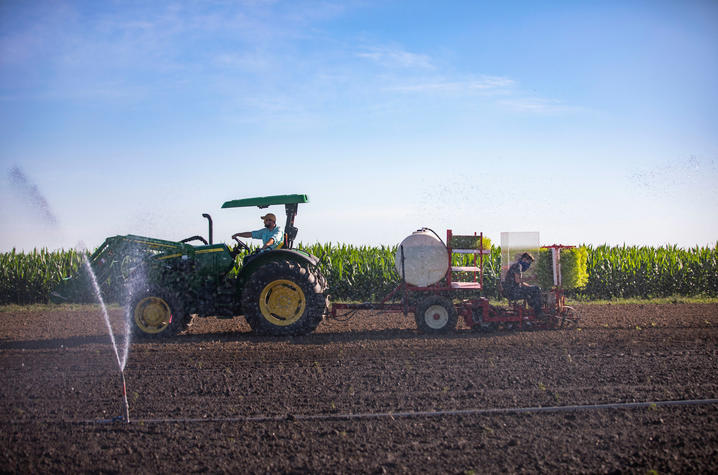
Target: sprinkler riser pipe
[(124, 396)]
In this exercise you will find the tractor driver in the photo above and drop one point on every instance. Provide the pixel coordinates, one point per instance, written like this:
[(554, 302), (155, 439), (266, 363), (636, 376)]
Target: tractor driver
[(515, 288), (271, 234)]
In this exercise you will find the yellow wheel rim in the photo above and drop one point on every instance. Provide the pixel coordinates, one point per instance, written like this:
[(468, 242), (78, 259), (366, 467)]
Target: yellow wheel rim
[(152, 314), (282, 302)]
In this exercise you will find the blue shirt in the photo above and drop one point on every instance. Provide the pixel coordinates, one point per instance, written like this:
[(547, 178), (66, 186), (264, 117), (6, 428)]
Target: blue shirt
[(266, 234)]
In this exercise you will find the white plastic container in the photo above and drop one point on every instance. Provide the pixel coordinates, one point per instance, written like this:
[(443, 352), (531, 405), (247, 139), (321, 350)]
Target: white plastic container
[(426, 259)]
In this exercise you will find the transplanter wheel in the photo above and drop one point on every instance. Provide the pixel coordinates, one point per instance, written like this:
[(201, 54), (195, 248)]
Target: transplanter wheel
[(485, 327), (436, 314), (479, 325), (568, 318), (155, 314)]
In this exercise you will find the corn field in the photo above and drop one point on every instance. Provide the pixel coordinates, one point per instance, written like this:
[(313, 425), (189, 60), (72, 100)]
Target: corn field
[(29, 278), (364, 273), (651, 272), (356, 273)]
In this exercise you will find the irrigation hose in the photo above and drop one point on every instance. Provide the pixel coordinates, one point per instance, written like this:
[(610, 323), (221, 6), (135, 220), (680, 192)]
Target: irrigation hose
[(345, 317), (410, 414)]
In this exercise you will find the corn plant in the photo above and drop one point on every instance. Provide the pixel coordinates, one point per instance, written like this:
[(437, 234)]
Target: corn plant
[(574, 274)]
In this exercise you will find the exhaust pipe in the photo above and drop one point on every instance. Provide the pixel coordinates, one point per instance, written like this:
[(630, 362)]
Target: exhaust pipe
[(209, 218)]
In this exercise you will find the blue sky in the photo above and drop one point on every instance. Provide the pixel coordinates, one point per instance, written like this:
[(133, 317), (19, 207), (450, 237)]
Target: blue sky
[(588, 121)]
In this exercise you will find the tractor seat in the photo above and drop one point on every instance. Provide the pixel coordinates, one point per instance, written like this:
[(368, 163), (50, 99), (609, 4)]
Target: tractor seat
[(281, 243)]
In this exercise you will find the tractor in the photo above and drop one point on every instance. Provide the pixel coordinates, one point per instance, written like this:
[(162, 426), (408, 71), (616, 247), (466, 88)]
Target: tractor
[(167, 283)]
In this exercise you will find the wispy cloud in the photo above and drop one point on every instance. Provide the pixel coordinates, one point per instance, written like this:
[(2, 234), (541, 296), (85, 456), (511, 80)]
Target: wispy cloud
[(508, 92), (418, 73), (483, 84), (396, 57), (242, 55), (539, 105), (68, 46), (252, 61)]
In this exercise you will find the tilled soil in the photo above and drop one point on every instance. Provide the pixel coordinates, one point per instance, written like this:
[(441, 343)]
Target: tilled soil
[(366, 395)]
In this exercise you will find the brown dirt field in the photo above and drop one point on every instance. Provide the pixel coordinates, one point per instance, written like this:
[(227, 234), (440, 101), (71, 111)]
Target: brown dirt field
[(362, 396)]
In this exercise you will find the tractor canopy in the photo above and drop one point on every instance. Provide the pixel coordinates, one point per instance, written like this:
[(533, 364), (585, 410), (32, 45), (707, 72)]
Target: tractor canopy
[(266, 201)]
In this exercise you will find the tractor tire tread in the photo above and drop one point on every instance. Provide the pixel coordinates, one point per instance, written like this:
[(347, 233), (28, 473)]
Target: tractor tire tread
[(302, 275)]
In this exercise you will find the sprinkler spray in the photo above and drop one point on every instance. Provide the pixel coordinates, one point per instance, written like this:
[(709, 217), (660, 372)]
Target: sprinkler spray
[(120, 361)]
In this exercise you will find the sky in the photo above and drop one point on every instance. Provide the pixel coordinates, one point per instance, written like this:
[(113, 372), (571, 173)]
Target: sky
[(591, 122)]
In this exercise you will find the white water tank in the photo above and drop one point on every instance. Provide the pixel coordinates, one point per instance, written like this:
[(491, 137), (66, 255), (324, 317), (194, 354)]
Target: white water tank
[(426, 258)]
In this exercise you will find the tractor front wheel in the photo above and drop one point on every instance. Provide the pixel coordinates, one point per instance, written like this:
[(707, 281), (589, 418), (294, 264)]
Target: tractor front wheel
[(156, 314), (436, 314), (284, 298)]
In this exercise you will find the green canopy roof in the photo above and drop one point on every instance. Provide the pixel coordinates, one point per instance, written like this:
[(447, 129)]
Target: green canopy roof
[(264, 201)]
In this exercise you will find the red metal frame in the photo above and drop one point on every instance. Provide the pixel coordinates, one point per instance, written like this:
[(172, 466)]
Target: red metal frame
[(383, 305), (558, 289), (475, 285)]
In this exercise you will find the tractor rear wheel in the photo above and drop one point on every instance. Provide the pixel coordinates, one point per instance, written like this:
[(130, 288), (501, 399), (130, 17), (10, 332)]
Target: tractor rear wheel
[(157, 314), (436, 314), (284, 298)]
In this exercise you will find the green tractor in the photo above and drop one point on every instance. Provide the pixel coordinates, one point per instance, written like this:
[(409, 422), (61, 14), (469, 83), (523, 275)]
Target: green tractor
[(166, 283)]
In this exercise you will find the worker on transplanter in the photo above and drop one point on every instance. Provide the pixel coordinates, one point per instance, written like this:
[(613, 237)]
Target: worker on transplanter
[(515, 287), (271, 234)]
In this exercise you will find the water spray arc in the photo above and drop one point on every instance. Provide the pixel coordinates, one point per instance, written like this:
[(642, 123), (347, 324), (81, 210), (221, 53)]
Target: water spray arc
[(121, 361)]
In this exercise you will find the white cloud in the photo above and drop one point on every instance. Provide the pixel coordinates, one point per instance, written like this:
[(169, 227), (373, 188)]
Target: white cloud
[(482, 84), (396, 57), (252, 62), (538, 105), (421, 74)]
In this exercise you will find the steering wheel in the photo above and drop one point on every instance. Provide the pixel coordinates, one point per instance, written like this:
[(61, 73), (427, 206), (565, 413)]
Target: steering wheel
[(240, 246)]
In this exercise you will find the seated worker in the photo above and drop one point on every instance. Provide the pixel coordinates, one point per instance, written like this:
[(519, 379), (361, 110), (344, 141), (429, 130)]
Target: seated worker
[(515, 288), (271, 235)]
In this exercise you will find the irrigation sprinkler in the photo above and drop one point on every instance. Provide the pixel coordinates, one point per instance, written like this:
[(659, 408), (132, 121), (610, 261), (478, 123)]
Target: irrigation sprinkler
[(124, 396), (120, 361)]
